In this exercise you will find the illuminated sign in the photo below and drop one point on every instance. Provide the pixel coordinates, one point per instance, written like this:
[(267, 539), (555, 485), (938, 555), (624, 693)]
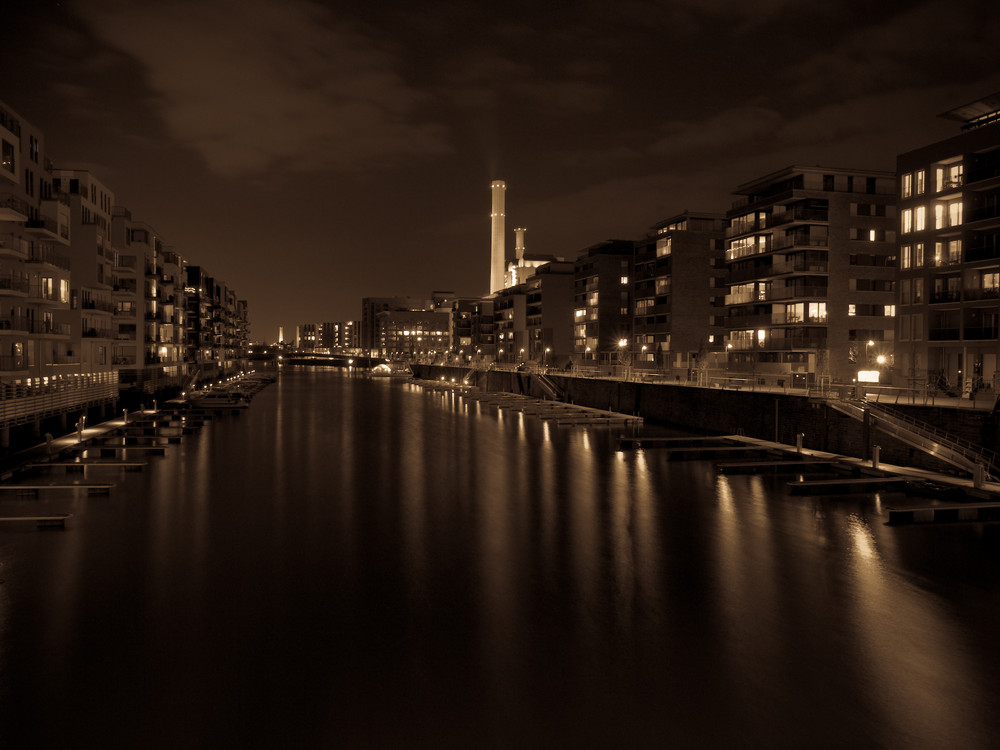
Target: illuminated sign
[(868, 376)]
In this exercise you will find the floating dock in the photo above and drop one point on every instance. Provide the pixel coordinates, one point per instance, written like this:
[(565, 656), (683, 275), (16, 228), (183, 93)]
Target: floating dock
[(56, 521), (935, 514)]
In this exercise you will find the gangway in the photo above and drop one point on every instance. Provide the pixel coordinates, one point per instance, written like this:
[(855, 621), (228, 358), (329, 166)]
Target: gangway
[(922, 436), (551, 390)]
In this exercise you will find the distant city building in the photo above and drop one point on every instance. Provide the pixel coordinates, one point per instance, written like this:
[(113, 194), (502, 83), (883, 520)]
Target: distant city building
[(370, 337), (678, 292), (949, 255), (407, 334), (329, 336), (811, 257)]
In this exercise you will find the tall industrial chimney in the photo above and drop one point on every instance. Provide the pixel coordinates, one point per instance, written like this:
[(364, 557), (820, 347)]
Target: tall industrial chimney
[(498, 255), (519, 244)]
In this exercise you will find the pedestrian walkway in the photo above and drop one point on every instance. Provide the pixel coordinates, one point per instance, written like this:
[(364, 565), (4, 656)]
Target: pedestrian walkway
[(54, 447)]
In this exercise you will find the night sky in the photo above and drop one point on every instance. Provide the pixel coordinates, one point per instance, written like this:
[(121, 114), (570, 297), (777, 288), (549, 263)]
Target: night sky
[(310, 154)]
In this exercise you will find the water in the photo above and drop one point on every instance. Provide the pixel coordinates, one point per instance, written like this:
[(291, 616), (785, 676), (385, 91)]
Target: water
[(359, 563)]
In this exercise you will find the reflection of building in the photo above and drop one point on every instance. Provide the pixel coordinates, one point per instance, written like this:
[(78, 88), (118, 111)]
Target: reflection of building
[(676, 279), (949, 254), (811, 257), (602, 314)]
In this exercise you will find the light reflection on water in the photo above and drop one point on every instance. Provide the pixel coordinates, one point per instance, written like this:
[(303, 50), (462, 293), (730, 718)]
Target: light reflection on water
[(361, 563)]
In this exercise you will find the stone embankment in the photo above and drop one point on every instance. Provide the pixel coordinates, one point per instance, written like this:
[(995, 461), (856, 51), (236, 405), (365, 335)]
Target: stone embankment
[(777, 417)]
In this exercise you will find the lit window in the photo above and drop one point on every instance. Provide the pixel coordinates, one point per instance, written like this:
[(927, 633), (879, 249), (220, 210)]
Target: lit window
[(918, 255), (920, 219), (852, 309), (907, 185), (624, 279), (871, 235), (906, 258), (920, 179), (907, 221), (889, 311)]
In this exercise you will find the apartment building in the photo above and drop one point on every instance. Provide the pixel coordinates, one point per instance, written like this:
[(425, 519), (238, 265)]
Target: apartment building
[(549, 304), (92, 268), (472, 328), (35, 342), (407, 334), (602, 302), (678, 288), (949, 256), (371, 307), (811, 262)]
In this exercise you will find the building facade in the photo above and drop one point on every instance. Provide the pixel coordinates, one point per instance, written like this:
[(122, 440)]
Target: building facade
[(602, 302), (811, 263), (678, 287), (949, 256)]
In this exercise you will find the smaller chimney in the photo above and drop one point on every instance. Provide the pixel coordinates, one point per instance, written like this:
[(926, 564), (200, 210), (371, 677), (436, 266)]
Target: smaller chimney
[(519, 244)]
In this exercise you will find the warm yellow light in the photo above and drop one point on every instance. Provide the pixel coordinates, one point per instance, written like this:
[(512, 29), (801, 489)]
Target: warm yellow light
[(880, 359), (623, 342)]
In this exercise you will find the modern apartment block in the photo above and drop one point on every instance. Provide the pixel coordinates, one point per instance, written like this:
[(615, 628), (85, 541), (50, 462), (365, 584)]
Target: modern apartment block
[(371, 307), (473, 327), (216, 326), (811, 260), (407, 334), (602, 314), (339, 336), (549, 305), (678, 276), (949, 224), (92, 266), (43, 370)]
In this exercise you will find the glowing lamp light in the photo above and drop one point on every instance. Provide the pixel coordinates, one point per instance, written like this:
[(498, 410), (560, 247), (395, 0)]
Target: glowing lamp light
[(623, 343), (880, 359)]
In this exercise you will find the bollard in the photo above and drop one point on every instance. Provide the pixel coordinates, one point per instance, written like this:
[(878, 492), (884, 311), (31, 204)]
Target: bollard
[(798, 442), (875, 451)]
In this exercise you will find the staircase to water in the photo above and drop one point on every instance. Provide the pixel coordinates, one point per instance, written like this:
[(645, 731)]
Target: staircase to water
[(923, 436)]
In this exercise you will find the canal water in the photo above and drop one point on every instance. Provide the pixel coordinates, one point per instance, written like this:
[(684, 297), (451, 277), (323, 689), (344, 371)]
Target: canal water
[(359, 563)]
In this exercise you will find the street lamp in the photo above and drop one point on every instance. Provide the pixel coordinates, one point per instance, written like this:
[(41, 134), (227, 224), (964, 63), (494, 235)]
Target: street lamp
[(868, 359)]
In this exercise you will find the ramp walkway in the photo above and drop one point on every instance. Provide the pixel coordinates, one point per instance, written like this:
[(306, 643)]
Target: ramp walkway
[(923, 436)]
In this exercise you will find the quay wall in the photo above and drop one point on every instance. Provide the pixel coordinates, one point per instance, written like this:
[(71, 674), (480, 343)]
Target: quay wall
[(764, 415)]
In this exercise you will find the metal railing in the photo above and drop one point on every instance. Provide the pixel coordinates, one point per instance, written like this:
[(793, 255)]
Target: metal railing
[(922, 435)]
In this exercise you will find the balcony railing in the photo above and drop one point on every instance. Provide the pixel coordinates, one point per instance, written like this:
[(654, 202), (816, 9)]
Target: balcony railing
[(41, 253)]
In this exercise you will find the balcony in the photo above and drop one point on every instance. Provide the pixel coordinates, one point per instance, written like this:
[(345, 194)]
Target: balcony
[(803, 214), (45, 253), (944, 334), (98, 333), (14, 282), (13, 208), (937, 298), (800, 239), (981, 333), (797, 290)]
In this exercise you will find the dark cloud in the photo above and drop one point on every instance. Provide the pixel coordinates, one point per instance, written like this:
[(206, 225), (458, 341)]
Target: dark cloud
[(284, 88)]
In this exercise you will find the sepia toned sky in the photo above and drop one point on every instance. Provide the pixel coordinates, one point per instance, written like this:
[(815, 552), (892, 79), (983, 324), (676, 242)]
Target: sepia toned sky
[(310, 153)]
